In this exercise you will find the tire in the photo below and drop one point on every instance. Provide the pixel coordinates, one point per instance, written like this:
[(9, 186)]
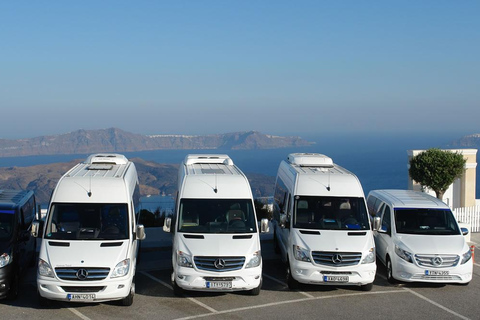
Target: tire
[(292, 283), (128, 300), (13, 291), (43, 302), (256, 291), (276, 247), (390, 277), (367, 287), (177, 290)]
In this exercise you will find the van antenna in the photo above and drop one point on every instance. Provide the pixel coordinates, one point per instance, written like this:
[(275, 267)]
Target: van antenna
[(215, 189), (328, 186)]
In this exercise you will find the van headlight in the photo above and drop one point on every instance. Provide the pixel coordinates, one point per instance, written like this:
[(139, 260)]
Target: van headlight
[(405, 255), (255, 260), (370, 257), (5, 259), (44, 269), (301, 254), (466, 256), (121, 269), (184, 259)]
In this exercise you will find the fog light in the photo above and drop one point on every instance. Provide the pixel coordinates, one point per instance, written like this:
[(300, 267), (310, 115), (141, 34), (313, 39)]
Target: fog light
[(121, 286), (3, 286), (257, 277), (298, 271), (179, 276)]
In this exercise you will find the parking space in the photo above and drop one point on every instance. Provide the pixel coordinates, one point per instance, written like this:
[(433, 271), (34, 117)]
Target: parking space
[(154, 298)]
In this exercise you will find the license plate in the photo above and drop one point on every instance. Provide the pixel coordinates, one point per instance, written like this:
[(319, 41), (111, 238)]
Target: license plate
[(335, 278), (436, 273), (81, 297), (219, 284)]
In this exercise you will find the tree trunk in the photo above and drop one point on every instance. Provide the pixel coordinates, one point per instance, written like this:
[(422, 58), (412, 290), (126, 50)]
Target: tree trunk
[(439, 194)]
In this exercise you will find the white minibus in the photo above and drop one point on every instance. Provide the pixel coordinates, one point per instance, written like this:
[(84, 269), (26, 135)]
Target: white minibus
[(216, 244), (90, 236), (321, 225)]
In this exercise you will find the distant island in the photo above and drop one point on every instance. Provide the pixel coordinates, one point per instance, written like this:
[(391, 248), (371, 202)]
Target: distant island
[(117, 140), (469, 141), (155, 178)]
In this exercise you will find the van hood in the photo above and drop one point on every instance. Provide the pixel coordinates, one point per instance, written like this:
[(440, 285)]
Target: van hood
[(85, 253), (219, 244), (334, 240), (425, 244)]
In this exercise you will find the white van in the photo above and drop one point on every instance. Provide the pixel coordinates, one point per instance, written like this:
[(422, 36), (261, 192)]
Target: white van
[(89, 246), (321, 225), (419, 239), (216, 243)]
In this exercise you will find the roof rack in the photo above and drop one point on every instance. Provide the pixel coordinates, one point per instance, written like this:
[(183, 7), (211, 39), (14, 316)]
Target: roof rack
[(208, 159), (310, 160), (106, 159)]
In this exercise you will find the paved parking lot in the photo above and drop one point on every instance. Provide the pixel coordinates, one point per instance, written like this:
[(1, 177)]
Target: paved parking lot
[(154, 298)]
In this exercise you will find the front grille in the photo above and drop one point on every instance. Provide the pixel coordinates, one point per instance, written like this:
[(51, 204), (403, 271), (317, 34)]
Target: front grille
[(219, 278), (437, 260), (336, 259), (82, 289), (82, 274), (219, 264)]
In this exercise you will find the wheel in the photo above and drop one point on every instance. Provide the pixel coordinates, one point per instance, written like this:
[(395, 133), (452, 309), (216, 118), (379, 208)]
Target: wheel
[(256, 291), (292, 283), (44, 302), (177, 290), (13, 291), (128, 300), (367, 287), (276, 247), (390, 277)]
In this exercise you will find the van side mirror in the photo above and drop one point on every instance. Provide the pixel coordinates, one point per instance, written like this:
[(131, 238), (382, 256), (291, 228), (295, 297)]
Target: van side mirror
[(141, 232), (464, 231), (283, 221), (376, 223), (384, 229), (264, 228), (37, 228), (167, 225)]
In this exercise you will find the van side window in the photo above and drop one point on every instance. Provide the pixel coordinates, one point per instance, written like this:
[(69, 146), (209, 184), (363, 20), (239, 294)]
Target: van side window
[(27, 213), (280, 198), (386, 220)]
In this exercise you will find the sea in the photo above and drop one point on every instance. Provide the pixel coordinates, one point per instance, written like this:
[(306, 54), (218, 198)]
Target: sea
[(379, 160)]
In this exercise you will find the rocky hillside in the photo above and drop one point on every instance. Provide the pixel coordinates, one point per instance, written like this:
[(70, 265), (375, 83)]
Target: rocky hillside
[(155, 178), (116, 140)]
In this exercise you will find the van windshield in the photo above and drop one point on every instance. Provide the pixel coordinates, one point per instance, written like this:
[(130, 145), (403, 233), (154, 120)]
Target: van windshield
[(330, 213), (87, 221), (7, 220), (426, 221), (216, 216)]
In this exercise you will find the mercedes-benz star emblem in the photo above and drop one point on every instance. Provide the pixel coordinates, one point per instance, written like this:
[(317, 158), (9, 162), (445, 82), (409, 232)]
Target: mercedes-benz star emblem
[(437, 261), (336, 258), (82, 274), (219, 263)]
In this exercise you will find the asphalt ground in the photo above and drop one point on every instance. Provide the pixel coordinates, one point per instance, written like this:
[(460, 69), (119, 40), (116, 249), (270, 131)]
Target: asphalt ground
[(154, 297)]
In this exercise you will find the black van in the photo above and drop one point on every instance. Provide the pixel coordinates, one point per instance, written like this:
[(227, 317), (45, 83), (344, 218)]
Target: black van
[(17, 247)]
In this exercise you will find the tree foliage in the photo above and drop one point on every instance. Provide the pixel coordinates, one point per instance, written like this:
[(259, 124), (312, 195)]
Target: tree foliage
[(436, 169)]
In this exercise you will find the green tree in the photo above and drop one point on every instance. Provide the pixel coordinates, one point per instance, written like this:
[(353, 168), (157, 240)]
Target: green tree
[(436, 169)]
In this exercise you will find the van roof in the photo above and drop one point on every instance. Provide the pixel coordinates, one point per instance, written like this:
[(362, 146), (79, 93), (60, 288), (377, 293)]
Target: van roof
[(11, 198), (212, 176), (317, 174), (408, 199), (100, 178)]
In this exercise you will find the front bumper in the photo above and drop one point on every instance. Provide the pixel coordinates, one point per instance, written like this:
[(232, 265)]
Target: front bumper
[(308, 273), (93, 291), (196, 280)]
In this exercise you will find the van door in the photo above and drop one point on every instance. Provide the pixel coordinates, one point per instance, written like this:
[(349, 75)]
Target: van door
[(383, 237)]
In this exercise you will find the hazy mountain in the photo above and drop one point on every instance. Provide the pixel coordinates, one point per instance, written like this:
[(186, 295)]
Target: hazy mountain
[(155, 178), (116, 140), (469, 141)]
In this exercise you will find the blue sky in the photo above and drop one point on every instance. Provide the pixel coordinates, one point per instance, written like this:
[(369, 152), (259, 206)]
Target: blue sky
[(201, 67)]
